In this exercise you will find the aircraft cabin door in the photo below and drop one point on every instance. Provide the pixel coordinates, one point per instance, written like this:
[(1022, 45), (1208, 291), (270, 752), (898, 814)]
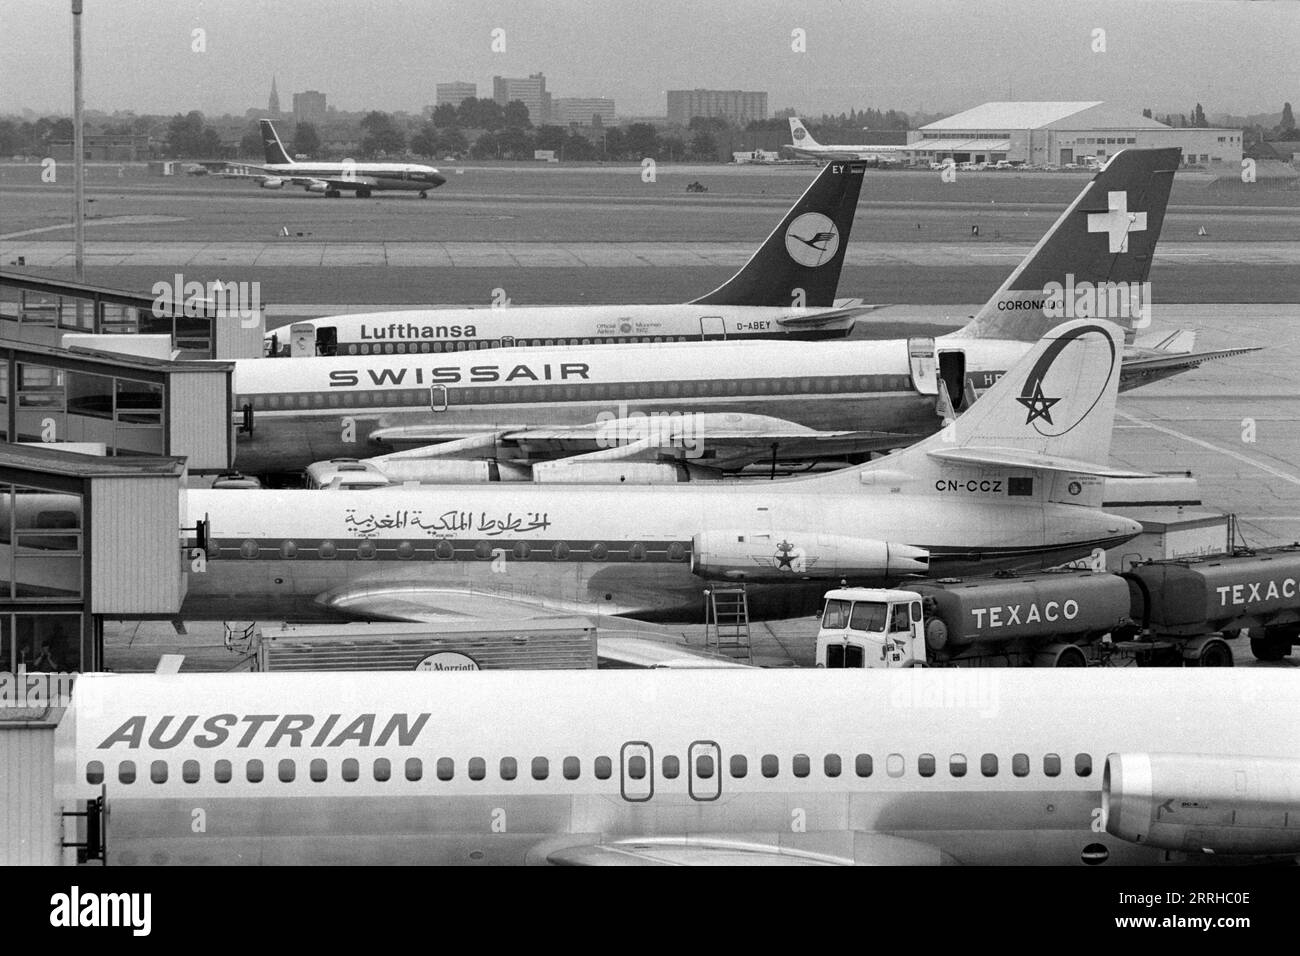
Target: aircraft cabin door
[(704, 770), (302, 340), (438, 398), (327, 340), (952, 372), (922, 364), (636, 771), (712, 328)]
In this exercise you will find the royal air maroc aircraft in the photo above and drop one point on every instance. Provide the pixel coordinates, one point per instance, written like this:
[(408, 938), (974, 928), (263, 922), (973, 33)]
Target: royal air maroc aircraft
[(714, 406), (805, 145), (333, 179), (785, 291), (1015, 482), (663, 767)]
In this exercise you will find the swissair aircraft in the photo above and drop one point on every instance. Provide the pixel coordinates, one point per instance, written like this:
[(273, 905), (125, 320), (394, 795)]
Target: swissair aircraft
[(663, 767), (333, 178), (785, 290), (805, 145), (715, 406), (1014, 482)]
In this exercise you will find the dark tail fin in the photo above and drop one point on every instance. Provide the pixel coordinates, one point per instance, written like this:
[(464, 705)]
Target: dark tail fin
[(1099, 251), (275, 151), (800, 262)]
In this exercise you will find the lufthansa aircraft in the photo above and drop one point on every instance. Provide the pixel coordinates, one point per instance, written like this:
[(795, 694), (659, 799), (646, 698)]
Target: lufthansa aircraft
[(703, 408), (333, 178), (785, 291), (805, 145), (660, 767), (1015, 482)]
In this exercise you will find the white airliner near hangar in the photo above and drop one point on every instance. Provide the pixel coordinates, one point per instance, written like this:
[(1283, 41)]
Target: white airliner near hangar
[(804, 144), (718, 406), (333, 179), (1014, 482), (785, 291), (662, 767)]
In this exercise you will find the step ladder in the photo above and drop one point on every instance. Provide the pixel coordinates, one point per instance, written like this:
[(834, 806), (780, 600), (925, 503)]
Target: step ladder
[(726, 622)]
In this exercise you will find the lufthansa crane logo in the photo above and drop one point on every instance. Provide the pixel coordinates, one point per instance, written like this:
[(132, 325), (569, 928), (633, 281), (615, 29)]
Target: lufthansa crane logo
[(1057, 397), (812, 240), (800, 132)]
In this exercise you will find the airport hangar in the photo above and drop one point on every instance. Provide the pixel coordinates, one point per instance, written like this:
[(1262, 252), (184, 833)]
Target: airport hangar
[(1062, 133)]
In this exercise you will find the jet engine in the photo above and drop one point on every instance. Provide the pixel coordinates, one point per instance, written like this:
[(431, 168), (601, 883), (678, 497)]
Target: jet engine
[(800, 556), (316, 186), (1200, 803), (271, 182)]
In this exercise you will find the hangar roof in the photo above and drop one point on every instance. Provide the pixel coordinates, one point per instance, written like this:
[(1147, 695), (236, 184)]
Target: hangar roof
[(1032, 115)]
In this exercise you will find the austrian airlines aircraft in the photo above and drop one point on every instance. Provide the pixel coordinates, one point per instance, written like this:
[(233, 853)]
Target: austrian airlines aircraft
[(590, 768), (805, 145), (786, 290), (722, 405), (1015, 482), (332, 178)]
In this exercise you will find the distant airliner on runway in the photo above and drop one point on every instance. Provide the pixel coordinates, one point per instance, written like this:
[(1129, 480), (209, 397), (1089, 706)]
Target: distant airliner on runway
[(332, 178)]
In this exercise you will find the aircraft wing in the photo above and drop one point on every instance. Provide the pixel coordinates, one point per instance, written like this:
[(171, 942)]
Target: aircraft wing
[(1018, 458), (332, 182), (1152, 365), (620, 642), (757, 849)]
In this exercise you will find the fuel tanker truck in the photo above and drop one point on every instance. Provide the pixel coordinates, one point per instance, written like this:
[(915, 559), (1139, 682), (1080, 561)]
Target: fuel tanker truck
[(1161, 613)]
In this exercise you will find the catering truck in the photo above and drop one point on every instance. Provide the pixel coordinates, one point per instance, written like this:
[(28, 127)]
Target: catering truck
[(1174, 612)]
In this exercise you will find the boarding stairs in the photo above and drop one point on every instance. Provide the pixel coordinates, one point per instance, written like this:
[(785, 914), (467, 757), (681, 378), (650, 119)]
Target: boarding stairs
[(726, 622)]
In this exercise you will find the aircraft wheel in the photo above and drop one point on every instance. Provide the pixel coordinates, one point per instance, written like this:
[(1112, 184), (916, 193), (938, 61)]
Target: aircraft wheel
[(363, 193), (423, 194), (332, 194)]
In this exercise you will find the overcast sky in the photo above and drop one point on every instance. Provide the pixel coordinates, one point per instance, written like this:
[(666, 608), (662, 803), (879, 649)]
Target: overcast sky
[(936, 55)]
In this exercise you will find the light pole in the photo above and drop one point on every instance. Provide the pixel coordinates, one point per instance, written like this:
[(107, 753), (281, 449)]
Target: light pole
[(78, 151)]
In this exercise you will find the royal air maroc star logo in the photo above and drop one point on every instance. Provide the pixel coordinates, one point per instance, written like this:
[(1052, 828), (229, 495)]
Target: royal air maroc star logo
[(1039, 405), (785, 556)]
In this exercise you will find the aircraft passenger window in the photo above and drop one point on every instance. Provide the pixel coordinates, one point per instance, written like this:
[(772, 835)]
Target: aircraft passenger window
[(672, 767), (1020, 765), (599, 551), (405, 550), (571, 768), (541, 768), (522, 550), (989, 765), (221, 771), (636, 552), (894, 765), (446, 768), (383, 770), (190, 771), (925, 765), (366, 550), (509, 768), (158, 771), (483, 550), (1083, 765), (862, 765), (248, 549), (560, 550), (318, 770), (414, 768), (444, 550), (288, 549), (636, 768), (731, 386), (288, 771), (747, 386), (351, 770), (831, 765), (739, 766), (253, 771), (704, 767), (126, 771), (1052, 765), (800, 765), (770, 765), (95, 772), (676, 551), (957, 765), (604, 768), (477, 768)]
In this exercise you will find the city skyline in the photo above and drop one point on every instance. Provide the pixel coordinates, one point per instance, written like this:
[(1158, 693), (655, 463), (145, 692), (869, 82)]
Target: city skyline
[(922, 55)]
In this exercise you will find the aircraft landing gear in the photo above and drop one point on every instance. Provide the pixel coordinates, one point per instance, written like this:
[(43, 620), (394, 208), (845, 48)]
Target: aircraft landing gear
[(424, 194), (332, 194), (363, 193)]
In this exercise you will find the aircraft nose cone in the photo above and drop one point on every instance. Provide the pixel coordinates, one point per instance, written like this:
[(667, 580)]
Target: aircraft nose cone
[(438, 179)]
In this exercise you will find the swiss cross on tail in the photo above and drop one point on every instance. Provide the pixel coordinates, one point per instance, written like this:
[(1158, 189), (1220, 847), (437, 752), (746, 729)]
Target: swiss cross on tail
[(1117, 222)]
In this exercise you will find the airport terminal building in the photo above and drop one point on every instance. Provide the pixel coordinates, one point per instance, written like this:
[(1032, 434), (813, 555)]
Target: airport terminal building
[(1064, 133)]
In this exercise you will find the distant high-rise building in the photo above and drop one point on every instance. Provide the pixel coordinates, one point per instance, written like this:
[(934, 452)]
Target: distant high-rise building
[(309, 107), (452, 94), (737, 106), (273, 104), (531, 92), (568, 110)]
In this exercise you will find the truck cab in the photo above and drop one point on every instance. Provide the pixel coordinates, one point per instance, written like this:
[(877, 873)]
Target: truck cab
[(871, 627)]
